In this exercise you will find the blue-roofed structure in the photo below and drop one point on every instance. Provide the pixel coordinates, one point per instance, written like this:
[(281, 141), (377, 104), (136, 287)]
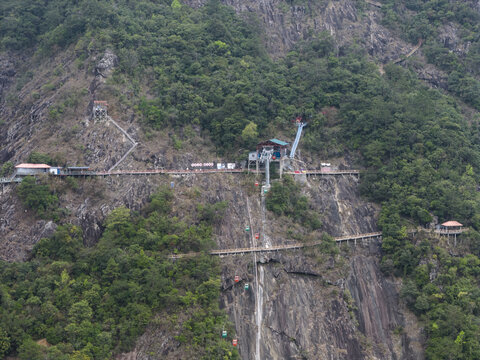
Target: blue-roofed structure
[(279, 148), (273, 149), (278, 142)]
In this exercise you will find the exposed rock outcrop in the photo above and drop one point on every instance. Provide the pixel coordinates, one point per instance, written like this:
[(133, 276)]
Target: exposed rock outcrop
[(450, 38), (284, 25), (103, 69), (7, 72), (381, 317), (17, 236), (349, 23)]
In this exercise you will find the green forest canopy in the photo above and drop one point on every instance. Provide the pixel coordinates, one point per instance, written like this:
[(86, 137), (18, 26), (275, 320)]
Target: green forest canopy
[(206, 67), (90, 303)]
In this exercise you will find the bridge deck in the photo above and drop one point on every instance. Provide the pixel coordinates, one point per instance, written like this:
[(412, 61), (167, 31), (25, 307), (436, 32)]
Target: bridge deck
[(182, 172), (235, 251), (324, 173), (200, 171), (10, 180)]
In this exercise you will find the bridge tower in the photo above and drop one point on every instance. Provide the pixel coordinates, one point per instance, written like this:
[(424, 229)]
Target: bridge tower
[(266, 157)]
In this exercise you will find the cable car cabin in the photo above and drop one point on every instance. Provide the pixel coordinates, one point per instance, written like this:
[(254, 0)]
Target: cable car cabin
[(237, 278), (279, 148)]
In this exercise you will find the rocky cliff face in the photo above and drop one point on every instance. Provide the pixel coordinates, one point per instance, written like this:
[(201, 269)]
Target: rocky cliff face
[(52, 114), (300, 304), (347, 21), (305, 310)]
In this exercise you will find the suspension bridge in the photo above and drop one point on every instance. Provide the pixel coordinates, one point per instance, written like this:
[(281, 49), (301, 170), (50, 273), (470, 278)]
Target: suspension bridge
[(297, 245)]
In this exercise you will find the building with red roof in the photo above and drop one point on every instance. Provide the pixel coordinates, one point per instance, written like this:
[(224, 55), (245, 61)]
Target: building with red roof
[(32, 169)]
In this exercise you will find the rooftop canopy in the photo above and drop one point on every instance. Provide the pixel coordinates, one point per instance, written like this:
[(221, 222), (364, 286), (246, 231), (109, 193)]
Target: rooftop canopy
[(32, 166), (272, 142), (279, 142), (451, 223)]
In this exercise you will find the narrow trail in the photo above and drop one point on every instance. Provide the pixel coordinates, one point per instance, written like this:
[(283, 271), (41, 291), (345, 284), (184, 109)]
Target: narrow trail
[(123, 157), (413, 51), (134, 143), (374, 3)]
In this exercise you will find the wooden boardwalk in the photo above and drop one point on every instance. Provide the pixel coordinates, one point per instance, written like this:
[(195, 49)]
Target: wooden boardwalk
[(4, 180), (236, 251), (324, 173), (153, 172), (204, 171), (312, 172)]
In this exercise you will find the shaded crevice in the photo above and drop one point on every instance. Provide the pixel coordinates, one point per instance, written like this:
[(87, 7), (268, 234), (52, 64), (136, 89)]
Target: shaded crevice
[(290, 339)]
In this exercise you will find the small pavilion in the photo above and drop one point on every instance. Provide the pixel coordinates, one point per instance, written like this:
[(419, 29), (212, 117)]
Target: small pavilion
[(451, 227)]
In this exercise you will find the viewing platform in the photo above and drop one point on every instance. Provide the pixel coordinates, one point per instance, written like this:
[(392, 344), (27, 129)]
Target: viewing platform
[(450, 232), (450, 228)]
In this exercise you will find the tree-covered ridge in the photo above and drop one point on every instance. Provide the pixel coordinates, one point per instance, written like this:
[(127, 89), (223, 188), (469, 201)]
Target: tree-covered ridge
[(448, 302), (90, 303), (206, 67), (427, 20)]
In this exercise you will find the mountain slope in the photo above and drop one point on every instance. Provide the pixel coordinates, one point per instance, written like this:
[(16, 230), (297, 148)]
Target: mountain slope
[(201, 84)]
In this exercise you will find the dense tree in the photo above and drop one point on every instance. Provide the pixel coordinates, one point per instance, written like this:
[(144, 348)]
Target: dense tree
[(91, 302)]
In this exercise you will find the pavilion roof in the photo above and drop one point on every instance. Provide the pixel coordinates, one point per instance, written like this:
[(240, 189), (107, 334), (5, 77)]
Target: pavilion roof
[(451, 223), (32, 166)]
